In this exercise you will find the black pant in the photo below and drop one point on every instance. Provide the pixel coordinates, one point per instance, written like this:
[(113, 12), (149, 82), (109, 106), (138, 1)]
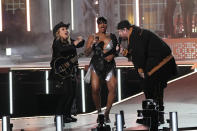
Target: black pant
[(65, 90), (153, 88)]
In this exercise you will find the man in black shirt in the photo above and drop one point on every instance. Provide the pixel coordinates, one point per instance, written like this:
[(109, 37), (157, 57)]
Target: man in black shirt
[(152, 59)]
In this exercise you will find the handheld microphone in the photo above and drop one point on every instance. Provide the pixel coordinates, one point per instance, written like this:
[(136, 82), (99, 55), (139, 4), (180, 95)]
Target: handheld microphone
[(118, 44), (96, 38)]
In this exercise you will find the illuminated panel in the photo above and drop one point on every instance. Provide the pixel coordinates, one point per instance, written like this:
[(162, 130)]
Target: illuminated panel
[(47, 82), (83, 91), (96, 24), (1, 24), (10, 92), (137, 13), (72, 15), (119, 85), (28, 15), (50, 15)]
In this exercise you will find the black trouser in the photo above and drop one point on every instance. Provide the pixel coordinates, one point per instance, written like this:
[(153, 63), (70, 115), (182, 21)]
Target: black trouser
[(153, 88), (66, 95)]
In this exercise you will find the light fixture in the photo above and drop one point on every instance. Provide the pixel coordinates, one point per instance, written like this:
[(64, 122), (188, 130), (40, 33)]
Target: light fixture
[(173, 121), (47, 81), (83, 91), (50, 15), (28, 15), (1, 23), (72, 15), (137, 12), (10, 92), (8, 51), (119, 85)]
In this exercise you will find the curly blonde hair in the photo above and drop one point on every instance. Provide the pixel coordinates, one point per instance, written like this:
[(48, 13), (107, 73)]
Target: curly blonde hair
[(58, 37)]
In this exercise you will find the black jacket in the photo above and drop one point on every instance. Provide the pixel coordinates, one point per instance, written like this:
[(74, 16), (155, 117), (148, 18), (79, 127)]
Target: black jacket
[(62, 50), (146, 50)]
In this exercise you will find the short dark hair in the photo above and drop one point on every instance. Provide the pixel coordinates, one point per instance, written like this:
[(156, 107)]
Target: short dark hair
[(124, 24), (101, 20)]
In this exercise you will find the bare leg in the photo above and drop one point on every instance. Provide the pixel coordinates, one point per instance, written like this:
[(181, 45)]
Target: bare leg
[(111, 85), (96, 90)]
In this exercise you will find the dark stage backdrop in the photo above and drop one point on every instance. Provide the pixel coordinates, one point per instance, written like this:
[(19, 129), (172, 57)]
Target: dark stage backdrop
[(167, 18)]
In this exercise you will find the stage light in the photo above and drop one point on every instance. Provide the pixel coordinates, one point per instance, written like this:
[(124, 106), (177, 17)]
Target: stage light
[(47, 81), (10, 92), (28, 15), (50, 15), (1, 23), (83, 91), (137, 12), (8, 51), (6, 126), (119, 85), (72, 15), (119, 122), (59, 123), (173, 121), (4, 123), (96, 2)]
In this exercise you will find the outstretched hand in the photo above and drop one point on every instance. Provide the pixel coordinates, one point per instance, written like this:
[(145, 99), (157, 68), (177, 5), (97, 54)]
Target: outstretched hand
[(78, 40), (122, 50), (142, 75)]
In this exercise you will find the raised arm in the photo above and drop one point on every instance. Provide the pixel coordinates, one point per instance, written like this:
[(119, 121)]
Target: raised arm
[(79, 42)]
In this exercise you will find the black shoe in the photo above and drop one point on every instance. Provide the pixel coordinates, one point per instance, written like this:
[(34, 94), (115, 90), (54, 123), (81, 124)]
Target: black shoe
[(73, 119), (140, 121), (143, 121), (161, 119), (107, 120), (69, 119), (100, 119)]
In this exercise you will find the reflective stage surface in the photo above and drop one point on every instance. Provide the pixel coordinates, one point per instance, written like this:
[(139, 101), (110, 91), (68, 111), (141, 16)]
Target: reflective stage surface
[(180, 96)]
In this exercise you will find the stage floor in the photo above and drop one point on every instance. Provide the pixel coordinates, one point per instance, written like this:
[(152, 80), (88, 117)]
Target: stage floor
[(180, 96)]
